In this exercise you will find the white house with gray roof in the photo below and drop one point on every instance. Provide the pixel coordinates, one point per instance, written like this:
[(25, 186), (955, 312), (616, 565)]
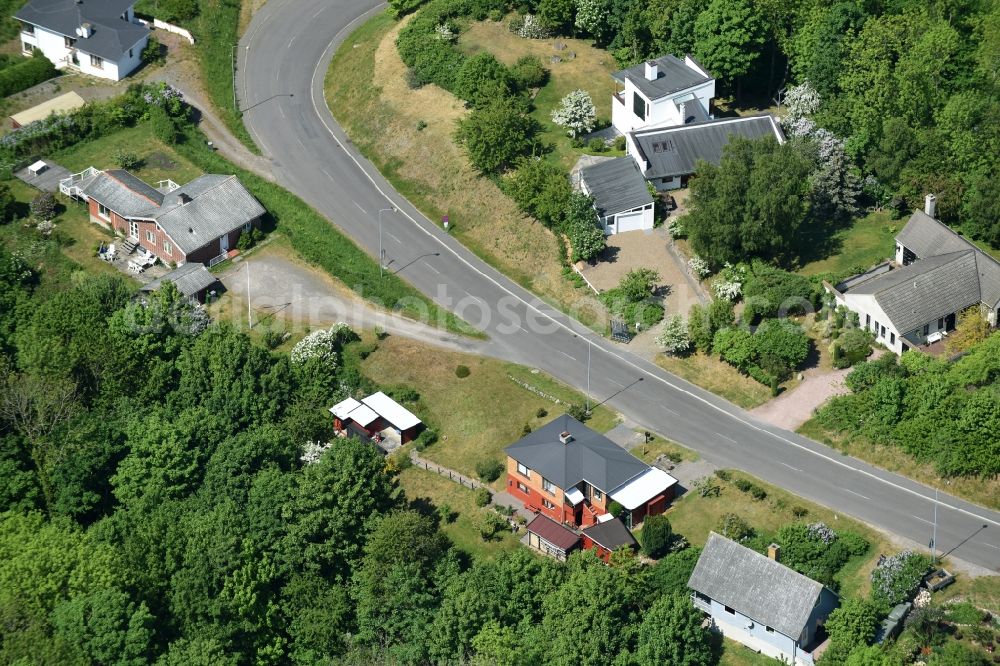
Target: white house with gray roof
[(914, 301), (755, 600), (197, 222), (661, 92), (101, 38), (622, 200)]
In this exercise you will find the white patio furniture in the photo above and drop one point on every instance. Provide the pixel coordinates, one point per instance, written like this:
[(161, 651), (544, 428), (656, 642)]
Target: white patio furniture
[(934, 337), (37, 168)]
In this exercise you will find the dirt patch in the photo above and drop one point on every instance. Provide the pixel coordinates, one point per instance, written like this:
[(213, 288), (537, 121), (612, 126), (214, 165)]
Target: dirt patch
[(160, 161)]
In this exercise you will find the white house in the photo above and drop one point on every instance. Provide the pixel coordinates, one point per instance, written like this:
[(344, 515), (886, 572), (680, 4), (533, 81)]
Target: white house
[(914, 301), (620, 195), (759, 602), (662, 92), (101, 38)]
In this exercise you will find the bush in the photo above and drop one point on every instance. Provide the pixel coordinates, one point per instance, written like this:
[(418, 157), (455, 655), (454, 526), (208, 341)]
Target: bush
[(483, 497), (770, 292), (176, 11), (541, 413), (164, 127), (854, 346), (656, 536), (426, 437), (462, 371), (895, 579), (272, 338), (578, 412), (482, 79), (126, 159), (29, 72), (528, 73), (616, 509), (620, 144), (723, 474), (597, 145), (492, 524), (733, 527), (800, 511), (495, 135), (152, 52), (43, 206), (743, 485), (674, 339), (489, 470), (758, 493)]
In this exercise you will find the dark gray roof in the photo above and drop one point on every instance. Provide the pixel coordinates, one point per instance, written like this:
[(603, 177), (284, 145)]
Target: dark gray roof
[(925, 290), (675, 151), (123, 193), (616, 186), (927, 237), (756, 586), (590, 455), (217, 205), (192, 215), (611, 534), (673, 76), (111, 36), (189, 279)]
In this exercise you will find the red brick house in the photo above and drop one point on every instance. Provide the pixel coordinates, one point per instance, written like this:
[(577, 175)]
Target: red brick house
[(572, 474), (195, 222)]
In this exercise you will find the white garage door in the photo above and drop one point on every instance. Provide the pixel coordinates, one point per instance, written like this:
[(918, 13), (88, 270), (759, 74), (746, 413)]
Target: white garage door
[(629, 221)]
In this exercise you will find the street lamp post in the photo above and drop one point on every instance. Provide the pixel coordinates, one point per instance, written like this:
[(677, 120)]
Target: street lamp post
[(590, 346), (381, 252)]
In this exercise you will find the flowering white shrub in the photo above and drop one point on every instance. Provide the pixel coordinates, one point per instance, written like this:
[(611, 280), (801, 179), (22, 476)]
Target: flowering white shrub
[(698, 266), (802, 100), (45, 227), (444, 32), (576, 112), (313, 451), (674, 336), (676, 228), (822, 532), (729, 291), (896, 577), (320, 344), (922, 600), (531, 28)]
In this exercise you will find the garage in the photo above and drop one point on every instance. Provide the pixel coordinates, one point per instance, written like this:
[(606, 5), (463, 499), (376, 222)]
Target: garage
[(620, 195), (634, 220)]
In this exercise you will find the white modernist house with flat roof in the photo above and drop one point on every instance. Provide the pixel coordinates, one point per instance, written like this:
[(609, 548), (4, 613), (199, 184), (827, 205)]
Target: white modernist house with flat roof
[(101, 38), (661, 92)]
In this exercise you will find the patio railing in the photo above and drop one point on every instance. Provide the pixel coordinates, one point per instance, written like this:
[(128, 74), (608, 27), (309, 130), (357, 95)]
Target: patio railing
[(218, 260), (68, 185)]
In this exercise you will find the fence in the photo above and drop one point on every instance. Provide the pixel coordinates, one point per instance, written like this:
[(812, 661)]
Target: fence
[(444, 471), (169, 27)]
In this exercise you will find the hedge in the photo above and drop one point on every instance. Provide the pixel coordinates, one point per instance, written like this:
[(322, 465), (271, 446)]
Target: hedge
[(23, 75)]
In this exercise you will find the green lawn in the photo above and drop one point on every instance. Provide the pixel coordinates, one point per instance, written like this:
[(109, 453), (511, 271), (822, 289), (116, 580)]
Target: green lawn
[(866, 242), (420, 484), (716, 376), (158, 160), (658, 446), (694, 517), (737, 654), (479, 415)]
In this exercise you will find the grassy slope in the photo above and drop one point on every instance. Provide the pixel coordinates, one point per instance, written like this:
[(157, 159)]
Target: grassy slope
[(428, 168), (479, 415), (866, 242), (718, 377)]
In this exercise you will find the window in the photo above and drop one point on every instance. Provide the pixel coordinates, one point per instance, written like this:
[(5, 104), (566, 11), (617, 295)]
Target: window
[(523, 488), (547, 504), (246, 227), (730, 610), (598, 495), (97, 62), (940, 323), (130, 53), (27, 48), (167, 248), (892, 338), (548, 486), (69, 42), (103, 211), (150, 237), (882, 333), (868, 321), (523, 471), (702, 597), (769, 630), (27, 28), (638, 106), (927, 329)]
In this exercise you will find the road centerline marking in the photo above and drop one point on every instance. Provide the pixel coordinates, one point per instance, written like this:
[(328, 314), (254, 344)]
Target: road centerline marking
[(858, 494)]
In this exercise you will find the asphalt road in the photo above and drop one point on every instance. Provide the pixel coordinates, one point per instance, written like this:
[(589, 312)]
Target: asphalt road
[(283, 59)]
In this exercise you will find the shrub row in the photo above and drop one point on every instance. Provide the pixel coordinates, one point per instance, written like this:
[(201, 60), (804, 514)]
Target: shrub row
[(23, 75)]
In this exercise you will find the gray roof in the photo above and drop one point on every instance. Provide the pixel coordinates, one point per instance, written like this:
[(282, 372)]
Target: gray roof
[(673, 76), (616, 186), (675, 151), (611, 534), (925, 290), (215, 205), (111, 36), (218, 205), (590, 455), (189, 279), (927, 237), (123, 193), (756, 586)]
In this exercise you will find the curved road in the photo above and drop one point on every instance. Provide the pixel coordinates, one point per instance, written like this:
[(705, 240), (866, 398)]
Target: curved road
[(283, 59)]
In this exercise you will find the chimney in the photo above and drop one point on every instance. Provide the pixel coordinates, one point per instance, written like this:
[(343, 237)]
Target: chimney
[(682, 108), (565, 437), (774, 552), (652, 70), (85, 30), (183, 198), (930, 206)]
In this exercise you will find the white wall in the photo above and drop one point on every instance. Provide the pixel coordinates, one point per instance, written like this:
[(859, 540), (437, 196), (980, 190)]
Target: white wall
[(661, 112), (771, 643), (871, 314)]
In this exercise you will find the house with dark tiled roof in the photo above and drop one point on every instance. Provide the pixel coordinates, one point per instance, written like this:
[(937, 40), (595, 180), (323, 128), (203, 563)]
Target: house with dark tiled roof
[(620, 195), (913, 301), (757, 601), (101, 38), (573, 475), (195, 222), (661, 92)]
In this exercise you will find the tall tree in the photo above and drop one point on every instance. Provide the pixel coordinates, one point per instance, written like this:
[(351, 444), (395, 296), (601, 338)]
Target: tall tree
[(671, 633), (729, 39)]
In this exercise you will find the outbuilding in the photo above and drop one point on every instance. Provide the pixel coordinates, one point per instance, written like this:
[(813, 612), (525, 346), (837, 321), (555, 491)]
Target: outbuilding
[(620, 195)]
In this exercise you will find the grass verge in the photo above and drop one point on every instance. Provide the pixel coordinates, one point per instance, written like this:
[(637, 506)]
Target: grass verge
[(716, 376), (463, 529), (476, 417), (985, 492), (408, 135)]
